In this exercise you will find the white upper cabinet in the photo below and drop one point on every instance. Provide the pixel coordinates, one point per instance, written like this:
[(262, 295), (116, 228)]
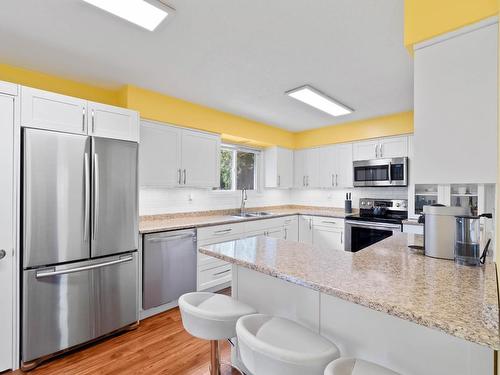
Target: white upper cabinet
[(456, 101), (159, 155), (278, 166), (390, 147), (200, 158), (336, 166), (47, 110), (174, 157), (306, 168), (113, 122)]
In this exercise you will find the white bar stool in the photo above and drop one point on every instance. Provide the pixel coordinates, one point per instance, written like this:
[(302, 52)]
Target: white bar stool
[(353, 366), (212, 317), (276, 346)]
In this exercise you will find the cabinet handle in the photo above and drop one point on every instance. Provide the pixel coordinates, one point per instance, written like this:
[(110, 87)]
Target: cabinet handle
[(307, 180), (83, 119), (303, 180), (185, 177), (223, 231), (310, 224), (329, 222), (279, 180), (286, 233), (93, 121), (222, 272), (376, 151), (179, 173), (341, 238), (333, 183), (381, 148)]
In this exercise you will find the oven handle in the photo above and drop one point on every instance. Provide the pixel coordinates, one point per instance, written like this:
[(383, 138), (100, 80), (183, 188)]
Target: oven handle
[(373, 226)]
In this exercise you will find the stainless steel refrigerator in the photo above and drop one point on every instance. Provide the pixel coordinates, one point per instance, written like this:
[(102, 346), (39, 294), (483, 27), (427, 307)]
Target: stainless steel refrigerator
[(79, 240)]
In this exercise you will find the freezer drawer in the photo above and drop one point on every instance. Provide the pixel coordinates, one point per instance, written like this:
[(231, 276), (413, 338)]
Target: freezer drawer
[(56, 197), (114, 196), (67, 305), (169, 261)]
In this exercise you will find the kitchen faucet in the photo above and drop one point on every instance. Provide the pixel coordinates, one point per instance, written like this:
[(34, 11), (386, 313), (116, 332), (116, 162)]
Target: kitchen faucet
[(243, 201)]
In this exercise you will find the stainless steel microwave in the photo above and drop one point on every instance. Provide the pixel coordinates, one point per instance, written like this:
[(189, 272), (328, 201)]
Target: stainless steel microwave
[(381, 172)]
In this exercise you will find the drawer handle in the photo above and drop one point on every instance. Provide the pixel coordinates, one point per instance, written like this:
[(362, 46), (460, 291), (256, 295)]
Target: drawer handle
[(223, 231), (329, 222), (221, 272)]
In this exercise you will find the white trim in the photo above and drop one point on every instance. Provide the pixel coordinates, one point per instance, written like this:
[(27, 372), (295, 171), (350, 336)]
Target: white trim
[(453, 34)]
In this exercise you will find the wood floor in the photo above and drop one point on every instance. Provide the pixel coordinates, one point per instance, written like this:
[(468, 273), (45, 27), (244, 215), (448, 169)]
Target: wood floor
[(159, 346)]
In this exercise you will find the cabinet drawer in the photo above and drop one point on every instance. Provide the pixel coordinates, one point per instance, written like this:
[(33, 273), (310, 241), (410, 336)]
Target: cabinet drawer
[(214, 276), (330, 222), (216, 232)]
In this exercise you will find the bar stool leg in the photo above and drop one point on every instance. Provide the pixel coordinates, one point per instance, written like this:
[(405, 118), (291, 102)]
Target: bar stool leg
[(214, 358)]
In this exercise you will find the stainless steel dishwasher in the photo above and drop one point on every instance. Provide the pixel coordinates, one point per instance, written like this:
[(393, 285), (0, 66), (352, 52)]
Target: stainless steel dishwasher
[(169, 266)]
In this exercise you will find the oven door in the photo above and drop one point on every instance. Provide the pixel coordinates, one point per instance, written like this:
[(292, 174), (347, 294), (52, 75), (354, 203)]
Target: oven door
[(361, 234), (381, 172)]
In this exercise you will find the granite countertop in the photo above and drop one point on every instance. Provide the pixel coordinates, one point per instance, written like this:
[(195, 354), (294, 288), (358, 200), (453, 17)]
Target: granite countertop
[(158, 223), (388, 277)]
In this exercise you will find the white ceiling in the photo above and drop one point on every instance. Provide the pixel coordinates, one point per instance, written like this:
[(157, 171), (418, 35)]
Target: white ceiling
[(238, 56)]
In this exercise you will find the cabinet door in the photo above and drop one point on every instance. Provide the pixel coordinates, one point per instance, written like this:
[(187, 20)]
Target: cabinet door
[(328, 158), (344, 168), (284, 168), (456, 103), (291, 228), (159, 155), (365, 150), (312, 168), (393, 147), (278, 233), (6, 223), (328, 238), (305, 229), (299, 171), (113, 122), (47, 110), (200, 155)]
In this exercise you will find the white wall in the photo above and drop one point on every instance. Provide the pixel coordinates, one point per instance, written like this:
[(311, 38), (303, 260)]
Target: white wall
[(160, 201), (335, 198)]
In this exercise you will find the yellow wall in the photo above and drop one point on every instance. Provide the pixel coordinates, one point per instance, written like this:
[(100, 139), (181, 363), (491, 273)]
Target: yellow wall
[(425, 19), (57, 84), (160, 107), (400, 123)]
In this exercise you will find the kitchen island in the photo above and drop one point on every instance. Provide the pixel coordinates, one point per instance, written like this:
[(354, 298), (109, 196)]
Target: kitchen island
[(386, 303)]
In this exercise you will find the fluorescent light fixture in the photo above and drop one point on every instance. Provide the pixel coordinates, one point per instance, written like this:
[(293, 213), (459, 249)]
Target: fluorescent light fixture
[(140, 12), (317, 99)]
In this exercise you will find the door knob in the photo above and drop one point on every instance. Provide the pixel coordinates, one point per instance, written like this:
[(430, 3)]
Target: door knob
[(2, 254)]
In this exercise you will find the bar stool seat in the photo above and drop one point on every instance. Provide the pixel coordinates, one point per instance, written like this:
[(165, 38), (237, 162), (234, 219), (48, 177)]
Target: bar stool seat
[(212, 317), (276, 346), (353, 366)]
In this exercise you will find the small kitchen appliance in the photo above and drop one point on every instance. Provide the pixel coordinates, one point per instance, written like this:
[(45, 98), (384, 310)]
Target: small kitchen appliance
[(468, 240), (439, 230)]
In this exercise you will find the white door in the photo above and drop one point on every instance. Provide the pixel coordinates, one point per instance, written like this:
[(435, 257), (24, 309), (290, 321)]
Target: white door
[(344, 168), (113, 122), (328, 238), (285, 167), (312, 167), (6, 228), (328, 160), (47, 110), (365, 150), (394, 147), (291, 229), (305, 229), (159, 155), (200, 156), (298, 171)]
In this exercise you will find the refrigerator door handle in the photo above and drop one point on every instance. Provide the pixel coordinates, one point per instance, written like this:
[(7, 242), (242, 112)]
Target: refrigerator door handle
[(87, 197), (96, 194), (50, 272)]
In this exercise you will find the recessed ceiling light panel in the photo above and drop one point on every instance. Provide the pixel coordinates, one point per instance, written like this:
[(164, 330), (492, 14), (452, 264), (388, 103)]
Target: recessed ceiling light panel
[(318, 100), (140, 12)]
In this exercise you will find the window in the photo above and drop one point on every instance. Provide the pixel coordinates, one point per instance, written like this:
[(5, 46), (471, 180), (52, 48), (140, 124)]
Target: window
[(238, 168)]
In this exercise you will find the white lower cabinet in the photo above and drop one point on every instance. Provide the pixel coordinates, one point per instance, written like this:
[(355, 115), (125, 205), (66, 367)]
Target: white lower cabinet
[(291, 224), (306, 229)]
